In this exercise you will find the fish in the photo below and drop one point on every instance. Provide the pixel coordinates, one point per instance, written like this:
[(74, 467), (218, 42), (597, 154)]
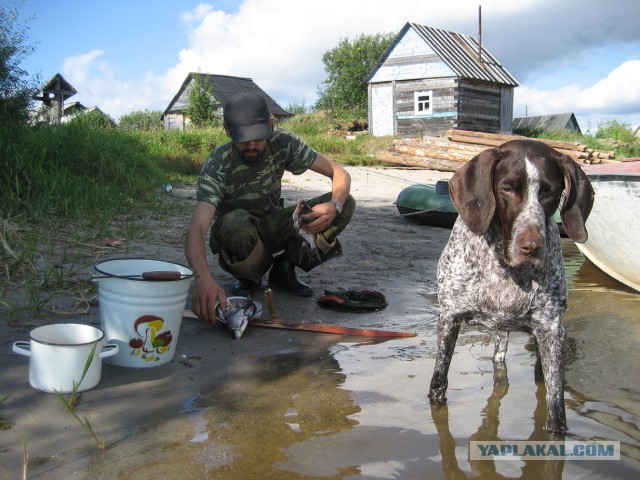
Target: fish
[(236, 316), (308, 246)]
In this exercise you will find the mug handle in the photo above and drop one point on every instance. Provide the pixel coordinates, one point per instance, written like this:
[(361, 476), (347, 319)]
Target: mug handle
[(109, 350), (22, 348)]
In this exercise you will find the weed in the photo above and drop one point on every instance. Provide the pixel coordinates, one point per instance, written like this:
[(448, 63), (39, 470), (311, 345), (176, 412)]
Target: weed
[(70, 403)]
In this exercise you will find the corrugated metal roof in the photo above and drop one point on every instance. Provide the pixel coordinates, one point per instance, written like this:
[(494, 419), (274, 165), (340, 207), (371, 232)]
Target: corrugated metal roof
[(559, 121), (460, 53)]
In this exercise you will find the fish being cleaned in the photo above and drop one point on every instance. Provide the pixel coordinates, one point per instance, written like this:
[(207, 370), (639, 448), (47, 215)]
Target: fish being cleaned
[(237, 314), (308, 247)]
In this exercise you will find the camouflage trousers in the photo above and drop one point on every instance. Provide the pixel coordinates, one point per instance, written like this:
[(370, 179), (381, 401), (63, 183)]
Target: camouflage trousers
[(245, 243)]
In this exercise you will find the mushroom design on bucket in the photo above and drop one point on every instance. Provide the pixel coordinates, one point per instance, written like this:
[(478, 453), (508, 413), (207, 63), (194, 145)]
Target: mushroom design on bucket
[(152, 341)]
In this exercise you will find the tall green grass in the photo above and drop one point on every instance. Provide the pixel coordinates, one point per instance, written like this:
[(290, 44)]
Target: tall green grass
[(71, 170)]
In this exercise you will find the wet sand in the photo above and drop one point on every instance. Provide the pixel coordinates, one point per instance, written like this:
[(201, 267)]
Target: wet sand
[(279, 404)]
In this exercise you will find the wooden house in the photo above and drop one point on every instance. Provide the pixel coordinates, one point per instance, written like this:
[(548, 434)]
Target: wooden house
[(223, 87), (559, 121), (429, 81)]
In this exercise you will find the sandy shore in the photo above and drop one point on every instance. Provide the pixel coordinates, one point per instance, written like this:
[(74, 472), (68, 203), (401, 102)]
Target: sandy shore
[(135, 409)]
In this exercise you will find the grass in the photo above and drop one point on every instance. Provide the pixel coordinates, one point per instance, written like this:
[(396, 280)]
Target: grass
[(69, 403), (619, 139), (65, 188)]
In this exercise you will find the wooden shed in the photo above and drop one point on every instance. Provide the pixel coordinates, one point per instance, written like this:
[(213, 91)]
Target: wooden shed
[(224, 87), (53, 95), (558, 121), (429, 81)]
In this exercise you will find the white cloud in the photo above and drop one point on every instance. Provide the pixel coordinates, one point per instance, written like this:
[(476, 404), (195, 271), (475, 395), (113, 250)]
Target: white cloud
[(619, 91), (617, 96), (80, 67), (279, 43)]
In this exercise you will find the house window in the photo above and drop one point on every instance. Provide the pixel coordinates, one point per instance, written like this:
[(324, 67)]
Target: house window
[(422, 103)]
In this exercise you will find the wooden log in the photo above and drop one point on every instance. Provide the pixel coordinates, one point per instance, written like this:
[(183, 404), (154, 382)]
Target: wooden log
[(425, 151), (438, 143), (505, 138), (489, 142), (440, 164)]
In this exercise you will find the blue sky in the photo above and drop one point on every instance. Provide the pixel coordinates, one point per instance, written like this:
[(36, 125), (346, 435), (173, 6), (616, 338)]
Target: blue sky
[(580, 56)]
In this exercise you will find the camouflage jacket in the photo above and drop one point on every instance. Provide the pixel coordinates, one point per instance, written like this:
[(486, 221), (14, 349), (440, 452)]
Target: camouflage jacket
[(229, 184)]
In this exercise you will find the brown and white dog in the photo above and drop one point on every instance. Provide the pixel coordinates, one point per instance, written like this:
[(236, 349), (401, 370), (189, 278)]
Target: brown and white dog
[(502, 267)]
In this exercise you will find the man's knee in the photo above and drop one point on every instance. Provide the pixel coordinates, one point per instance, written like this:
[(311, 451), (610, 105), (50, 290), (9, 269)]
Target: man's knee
[(236, 232)]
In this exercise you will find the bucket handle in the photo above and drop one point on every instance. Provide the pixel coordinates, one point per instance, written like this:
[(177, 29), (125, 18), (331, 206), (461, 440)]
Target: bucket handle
[(109, 350), (159, 275), (22, 348)]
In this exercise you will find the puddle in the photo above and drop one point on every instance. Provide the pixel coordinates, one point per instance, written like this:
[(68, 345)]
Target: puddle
[(359, 410)]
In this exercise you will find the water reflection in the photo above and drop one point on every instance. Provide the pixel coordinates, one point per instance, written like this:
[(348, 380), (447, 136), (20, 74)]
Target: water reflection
[(488, 431), (280, 400), (360, 410)]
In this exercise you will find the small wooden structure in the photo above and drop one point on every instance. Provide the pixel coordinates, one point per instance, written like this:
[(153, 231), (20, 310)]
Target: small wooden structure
[(54, 94), (429, 81), (559, 121), (223, 87)]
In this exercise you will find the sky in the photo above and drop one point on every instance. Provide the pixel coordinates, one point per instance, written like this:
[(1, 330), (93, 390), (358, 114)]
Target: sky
[(579, 56)]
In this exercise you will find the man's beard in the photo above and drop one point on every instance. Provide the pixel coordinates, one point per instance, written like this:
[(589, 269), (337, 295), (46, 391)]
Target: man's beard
[(250, 156)]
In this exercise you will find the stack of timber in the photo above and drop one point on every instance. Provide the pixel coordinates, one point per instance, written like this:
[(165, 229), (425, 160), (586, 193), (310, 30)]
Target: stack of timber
[(449, 153)]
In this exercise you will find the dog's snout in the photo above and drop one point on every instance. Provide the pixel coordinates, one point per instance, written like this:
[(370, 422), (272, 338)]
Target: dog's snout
[(530, 244)]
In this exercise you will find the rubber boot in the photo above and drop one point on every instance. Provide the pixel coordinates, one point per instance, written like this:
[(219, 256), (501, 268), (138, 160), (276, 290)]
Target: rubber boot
[(283, 276)]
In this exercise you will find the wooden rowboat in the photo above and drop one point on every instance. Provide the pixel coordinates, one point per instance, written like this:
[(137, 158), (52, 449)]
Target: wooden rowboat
[(614, 230)]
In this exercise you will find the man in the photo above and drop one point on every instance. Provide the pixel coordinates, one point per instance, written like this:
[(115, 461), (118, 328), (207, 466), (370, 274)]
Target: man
[(238, 196)]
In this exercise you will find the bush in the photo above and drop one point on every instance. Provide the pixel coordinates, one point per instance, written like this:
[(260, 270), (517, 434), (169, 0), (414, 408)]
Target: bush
[(144, 121)]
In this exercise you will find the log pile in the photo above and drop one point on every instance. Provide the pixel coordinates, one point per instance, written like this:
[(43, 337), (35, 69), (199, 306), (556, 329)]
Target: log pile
[(449, 153)]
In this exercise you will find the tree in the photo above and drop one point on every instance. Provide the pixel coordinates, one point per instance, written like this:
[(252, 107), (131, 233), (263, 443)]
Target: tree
[(138, 120), (347, 66), (613, 129), (16, 87), (203, 106)]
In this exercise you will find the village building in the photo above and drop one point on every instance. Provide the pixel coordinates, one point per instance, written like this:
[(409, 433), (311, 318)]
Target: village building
[(429, 81), (53, 95), (223, 87), (557, 122)]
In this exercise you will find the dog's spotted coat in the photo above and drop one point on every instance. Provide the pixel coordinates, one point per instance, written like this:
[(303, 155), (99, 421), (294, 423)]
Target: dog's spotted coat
[(502, 267)]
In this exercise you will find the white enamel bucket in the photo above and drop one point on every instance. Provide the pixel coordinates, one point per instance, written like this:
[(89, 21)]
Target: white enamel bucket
[(140, 311), (59, 353)]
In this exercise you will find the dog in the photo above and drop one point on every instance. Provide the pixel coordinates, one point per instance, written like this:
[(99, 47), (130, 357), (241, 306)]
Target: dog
[(502, 267)]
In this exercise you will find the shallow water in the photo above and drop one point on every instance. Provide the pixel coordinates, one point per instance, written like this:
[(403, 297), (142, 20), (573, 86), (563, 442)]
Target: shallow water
[(360, 410), (351, 409)]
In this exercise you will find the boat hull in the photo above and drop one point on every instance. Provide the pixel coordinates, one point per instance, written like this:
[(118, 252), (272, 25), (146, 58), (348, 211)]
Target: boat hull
[(614, 232)]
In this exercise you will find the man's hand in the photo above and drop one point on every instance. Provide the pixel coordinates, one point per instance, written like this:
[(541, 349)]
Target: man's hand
[(323, 213), (206, 294)]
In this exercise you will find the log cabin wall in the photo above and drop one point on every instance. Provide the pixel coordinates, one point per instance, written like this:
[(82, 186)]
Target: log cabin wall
[(445, 109), (479, 106)]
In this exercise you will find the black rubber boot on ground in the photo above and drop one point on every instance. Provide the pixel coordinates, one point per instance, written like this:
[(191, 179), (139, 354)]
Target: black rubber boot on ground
[(283, 276), (245, 288)]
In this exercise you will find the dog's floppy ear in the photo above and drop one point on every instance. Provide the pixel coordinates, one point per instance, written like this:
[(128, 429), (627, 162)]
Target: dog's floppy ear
[(578, 200), (471, 189)]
